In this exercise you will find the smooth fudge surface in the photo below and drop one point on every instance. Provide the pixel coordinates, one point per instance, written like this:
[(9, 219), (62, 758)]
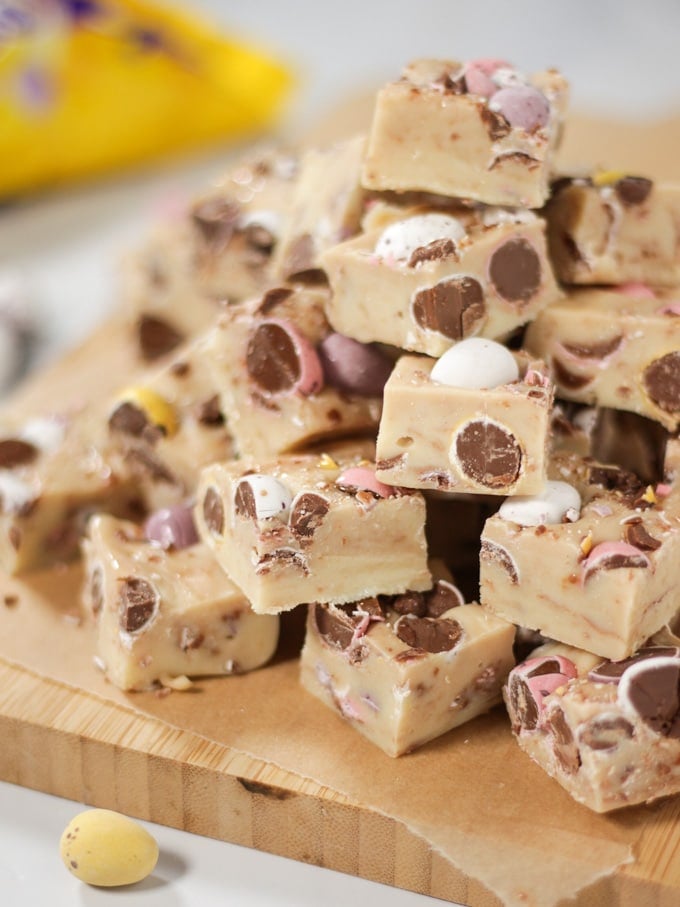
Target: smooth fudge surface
[(614, 349), (609, 732), (163, 614), (465, 148), (403, 670), (326, 541), (608, 574), (492, 441)]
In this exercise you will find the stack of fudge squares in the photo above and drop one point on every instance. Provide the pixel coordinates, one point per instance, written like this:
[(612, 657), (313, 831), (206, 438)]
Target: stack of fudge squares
[(371, 376)]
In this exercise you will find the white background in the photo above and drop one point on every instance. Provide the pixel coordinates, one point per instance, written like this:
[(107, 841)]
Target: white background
[(621, 57)]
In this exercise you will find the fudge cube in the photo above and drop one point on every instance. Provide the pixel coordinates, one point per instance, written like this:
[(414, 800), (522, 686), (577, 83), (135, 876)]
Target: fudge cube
[(490, 441), (326, 207), (614, 349), (405, 669), (308, 528), (219, 250), (458, 130), (162, 429), (608, 551), (608, 732), (54, 472), (615, 228), (167, 613), (434, 276), (286, 379)]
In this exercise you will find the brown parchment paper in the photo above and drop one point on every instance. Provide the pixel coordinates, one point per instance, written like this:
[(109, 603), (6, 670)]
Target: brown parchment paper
[(472, 795)]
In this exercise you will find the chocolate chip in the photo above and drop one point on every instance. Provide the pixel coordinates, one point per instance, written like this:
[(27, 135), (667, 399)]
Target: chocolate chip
[(209, 412), (613, 478), (271, 358), (129, 419), (488, 454), (564, 746), (156, 337), (662, 381), (137, 602), (410, 603), (434, 251), (605, 732), (300, 255), (307, 514), (273, 298), (564, 377), (145, 463), (494, 553), (515, 270), (441, 598), (428, 633), (213, 511), (654, 693), (598, 350), (519, 157), (216, 220), (191, 638), (496, 124), (637, 535), (15, 452), (244, 500), (545, 666), (522, 702), (611, 671), (334, 624), (453, 307), (97, 589), (633, 190)]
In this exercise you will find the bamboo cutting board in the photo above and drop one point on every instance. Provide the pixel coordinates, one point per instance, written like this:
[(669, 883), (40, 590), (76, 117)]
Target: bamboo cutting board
[(255, 761)]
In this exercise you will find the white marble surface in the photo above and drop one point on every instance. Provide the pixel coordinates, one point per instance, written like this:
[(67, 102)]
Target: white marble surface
[(620, 56)]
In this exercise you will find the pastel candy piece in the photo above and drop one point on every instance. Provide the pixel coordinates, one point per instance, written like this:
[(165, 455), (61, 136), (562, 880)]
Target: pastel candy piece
[(399, 240), (140, 407), (281, 360), (269, 221), (261, 497), (104, 848), (531, 682), (478, 75), (613, 556), (354, 367), (45, 433), (363, 478), (612, 671), (523, 106), (641, 290), (557, 501), (172, 527), (477, 364), (650, 690), (671, 308)]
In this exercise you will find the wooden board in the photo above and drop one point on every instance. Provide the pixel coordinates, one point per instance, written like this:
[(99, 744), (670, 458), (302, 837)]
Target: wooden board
[(160, 763)]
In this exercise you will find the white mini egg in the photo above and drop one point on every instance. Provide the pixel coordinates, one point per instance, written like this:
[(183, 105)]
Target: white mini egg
[(477, 364), (402, 238), (268, 497), (557, 501)]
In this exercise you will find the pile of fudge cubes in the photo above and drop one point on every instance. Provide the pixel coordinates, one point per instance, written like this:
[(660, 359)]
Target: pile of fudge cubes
[(426, 387)]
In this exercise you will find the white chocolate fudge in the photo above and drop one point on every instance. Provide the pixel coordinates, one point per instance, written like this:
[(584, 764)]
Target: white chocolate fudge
[(481, 441), (308, 528), (326, 207), (54, 473), (614, 228), (614, 349), (218, 251), (608, 566), (286, 379), (440, 129), (167, 425), (433, 277), (164, 615), (405, 669), (608, 732)]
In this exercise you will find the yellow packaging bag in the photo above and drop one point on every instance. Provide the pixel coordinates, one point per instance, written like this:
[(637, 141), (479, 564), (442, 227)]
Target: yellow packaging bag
[(87, 86)]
